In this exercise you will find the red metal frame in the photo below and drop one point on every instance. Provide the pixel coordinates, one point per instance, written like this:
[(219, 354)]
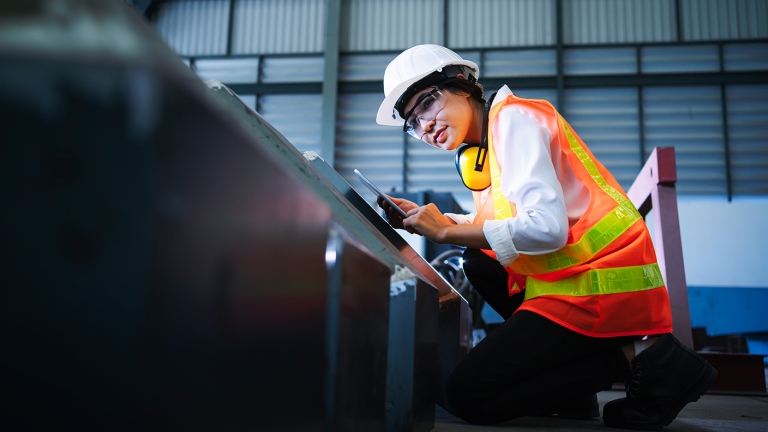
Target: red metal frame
[(654, 188)]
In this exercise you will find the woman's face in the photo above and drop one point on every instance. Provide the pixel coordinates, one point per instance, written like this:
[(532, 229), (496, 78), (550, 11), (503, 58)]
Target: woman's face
[(451, 125)]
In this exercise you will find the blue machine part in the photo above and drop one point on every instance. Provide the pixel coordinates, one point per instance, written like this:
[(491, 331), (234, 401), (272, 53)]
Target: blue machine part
[(758, 344), (729, 311), (490, 316)]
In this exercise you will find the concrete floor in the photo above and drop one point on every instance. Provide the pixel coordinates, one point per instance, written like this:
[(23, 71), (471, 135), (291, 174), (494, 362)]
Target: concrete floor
[(710, 413)]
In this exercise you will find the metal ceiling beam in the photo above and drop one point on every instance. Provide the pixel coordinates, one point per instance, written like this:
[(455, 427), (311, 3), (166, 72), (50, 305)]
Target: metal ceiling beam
[(587, 81), (667, 79), (277, 88)]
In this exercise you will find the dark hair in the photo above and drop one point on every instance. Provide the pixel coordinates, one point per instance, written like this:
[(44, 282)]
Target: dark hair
[(437, 77), (463, 86)]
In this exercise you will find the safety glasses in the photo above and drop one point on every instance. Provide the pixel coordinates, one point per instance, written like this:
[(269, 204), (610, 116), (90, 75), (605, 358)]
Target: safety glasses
[(424, 111)]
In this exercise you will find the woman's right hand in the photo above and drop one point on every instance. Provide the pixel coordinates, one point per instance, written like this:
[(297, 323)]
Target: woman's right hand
[(393, 216)]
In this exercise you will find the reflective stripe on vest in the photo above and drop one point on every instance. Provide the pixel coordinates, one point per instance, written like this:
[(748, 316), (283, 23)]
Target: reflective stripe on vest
[(502, 208), (600, 281), (604, 232)]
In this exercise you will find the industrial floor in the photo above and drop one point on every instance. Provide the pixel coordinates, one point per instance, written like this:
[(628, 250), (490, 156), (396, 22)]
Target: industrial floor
[(710, 413)]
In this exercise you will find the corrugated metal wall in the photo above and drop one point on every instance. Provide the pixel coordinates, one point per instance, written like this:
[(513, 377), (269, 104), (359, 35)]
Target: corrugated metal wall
[(719, 19), (599, 61), (228, 70), (199, 27), (618, 21), (279, 26), (296, 116), (247, 70), (377, 151), (608, 122), (678, 59), (193, 28), (292, 69), (496, 23), (363, 67), (689, 118), (747, 107), (745, 57), (380, 25), (531, 62)]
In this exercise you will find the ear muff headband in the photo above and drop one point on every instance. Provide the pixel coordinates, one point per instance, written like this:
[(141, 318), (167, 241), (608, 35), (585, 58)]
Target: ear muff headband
[(470, 159)]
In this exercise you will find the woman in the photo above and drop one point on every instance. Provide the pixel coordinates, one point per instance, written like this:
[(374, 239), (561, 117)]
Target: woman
[(555, 247)]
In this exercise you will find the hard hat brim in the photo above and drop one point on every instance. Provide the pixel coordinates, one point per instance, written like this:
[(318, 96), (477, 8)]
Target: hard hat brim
[(387, 115)]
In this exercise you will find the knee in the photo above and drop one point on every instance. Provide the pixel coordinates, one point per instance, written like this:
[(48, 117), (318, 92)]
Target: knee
[(454, 389), (456, 392), (464, 404)]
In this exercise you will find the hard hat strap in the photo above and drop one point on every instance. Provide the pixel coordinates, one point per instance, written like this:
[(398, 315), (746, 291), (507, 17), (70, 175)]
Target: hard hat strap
[(483, 150)]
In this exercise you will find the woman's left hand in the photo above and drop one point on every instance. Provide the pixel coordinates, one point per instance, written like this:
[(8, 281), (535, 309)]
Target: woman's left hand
[(429, 222)]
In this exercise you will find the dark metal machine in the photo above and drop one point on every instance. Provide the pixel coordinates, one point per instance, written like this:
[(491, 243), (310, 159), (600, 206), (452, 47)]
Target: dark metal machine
[(161, 268), (169, 261), (421, 329)]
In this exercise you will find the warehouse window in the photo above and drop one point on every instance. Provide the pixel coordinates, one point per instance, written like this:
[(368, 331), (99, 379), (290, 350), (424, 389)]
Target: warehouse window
[(745, 57), (676, 59), (599, 61), (519, 63), (228, 70)]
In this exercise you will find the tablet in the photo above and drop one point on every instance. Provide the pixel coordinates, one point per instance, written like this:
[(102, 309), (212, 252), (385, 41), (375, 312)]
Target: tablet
[(376, 191)]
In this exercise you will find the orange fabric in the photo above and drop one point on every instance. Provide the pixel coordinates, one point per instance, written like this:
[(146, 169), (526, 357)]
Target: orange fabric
[(605, 315), (609, 315)]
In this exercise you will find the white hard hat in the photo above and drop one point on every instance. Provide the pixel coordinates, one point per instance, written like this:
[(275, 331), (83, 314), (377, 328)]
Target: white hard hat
[(413, 65)]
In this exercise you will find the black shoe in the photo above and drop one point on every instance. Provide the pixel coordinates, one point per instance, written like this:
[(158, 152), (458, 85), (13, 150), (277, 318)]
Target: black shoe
[(575, 408), (665, 377)]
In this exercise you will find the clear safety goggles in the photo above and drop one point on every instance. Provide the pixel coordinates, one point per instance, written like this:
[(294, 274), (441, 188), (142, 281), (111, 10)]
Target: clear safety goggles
[(423, 112)]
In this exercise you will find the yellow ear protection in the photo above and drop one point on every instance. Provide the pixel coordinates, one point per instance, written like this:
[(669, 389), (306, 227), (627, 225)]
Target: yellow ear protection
[(470, 158)]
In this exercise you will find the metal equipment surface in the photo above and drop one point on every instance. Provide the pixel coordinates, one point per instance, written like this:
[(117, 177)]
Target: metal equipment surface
[(414, 335), (412, 362), (454, 329), (373, 231), (161, 268)]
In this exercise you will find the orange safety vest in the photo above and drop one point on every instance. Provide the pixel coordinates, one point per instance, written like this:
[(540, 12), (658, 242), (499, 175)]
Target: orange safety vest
[(605, 281)]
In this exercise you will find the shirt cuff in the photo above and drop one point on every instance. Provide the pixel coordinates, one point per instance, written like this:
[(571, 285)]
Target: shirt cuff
[(498, 236), (461, 219)]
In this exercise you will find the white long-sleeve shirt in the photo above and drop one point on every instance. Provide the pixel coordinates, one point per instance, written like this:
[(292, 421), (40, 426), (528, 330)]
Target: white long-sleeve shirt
[(536, 176)]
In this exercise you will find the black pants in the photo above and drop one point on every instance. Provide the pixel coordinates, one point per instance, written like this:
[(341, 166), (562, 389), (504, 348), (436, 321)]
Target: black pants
[(528, 363)]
